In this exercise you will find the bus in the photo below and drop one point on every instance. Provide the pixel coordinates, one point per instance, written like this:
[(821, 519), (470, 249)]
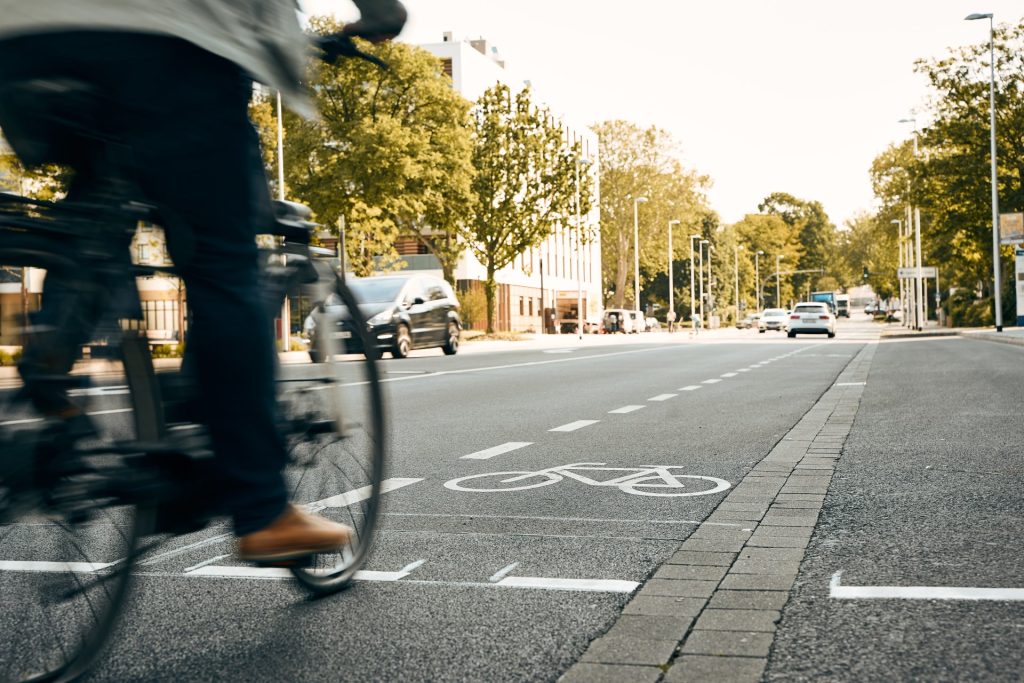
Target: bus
[(826, 298)]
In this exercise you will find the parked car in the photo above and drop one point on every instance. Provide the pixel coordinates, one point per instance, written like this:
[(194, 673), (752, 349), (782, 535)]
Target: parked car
[(617, 320), (403, 312), (748, 322), (639, 322), (810, 317), (773, 319)]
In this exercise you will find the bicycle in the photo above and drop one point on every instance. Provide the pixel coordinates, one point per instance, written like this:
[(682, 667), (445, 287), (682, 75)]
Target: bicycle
[(642, 481), (77, 515)]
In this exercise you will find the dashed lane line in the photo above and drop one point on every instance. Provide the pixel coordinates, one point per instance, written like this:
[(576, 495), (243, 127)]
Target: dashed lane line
[(662, 397), (497, 450), (728, 374), (839, 592), (573, 426), (691, 387), (626, 409), (711, 381)]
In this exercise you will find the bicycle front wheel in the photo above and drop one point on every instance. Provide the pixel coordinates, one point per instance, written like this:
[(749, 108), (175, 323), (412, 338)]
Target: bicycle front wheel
[(335, 422)]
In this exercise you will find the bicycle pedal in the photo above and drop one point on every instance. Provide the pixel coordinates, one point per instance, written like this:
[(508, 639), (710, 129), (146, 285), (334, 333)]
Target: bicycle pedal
[(304, 562)]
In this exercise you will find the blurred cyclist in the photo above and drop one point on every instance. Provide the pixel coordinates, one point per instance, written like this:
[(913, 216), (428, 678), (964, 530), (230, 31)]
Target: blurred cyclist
[(173, 81)]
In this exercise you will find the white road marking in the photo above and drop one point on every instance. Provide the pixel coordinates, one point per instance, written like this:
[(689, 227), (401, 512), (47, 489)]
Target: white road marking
[(11, 423), (728, 374), (558, 351), (662, 397), (101, 391), (921, 592), (743, 370), (503, 572), (205, 563), (589, 585), (690, 387), (711, 381), (412, 566), (497, 450), (111, 412), (573, 426), (279, 573), (34, 566), (851, 384), (563, 519), (359, 495), (625, 409)]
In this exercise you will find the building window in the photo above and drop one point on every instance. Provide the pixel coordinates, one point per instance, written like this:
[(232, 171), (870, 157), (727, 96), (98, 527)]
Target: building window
[(531, 306), (521, 302), (143, 253)]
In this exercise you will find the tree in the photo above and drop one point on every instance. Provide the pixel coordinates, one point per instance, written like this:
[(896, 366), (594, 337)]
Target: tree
[(638, 162), (816, 234), (391, 153), (771, 234), (525, 182)]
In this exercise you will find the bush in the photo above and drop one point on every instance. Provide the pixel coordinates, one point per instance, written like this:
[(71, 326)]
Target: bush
[(473, 308), (10, 358), (167, 350)]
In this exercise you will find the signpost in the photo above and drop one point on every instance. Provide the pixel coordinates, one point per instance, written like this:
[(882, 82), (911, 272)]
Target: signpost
[(1011, 228), (927, 272), (1019, 282)]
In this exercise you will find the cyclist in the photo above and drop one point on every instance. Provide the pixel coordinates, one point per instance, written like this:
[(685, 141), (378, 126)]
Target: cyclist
[(173, 82)]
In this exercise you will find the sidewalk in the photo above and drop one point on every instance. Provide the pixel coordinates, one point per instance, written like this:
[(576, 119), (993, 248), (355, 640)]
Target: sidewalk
[(1009, 335)]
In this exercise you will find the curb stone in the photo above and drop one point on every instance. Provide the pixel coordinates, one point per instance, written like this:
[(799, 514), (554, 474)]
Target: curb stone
[(730, 589)]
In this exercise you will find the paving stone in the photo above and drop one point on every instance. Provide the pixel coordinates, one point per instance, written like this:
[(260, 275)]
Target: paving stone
[(678, 572), (763, 567), (756, 600), (704, 669), (700, 545), (777, 511), (712, 532), (742, 507), (607, 650), (728, 643), (788, 520), (758, 582), (585, 672), (702, 558), (806, 497), (797, 504), (777, 542), (734, 516), (652, 627), (801, 480), (783, 531), (738, 620), (809, 490), (679, 588), (773, 554), (665, 606)]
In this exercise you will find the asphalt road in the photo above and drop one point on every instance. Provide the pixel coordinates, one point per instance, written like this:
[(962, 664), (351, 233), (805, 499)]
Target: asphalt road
[(512, 585)]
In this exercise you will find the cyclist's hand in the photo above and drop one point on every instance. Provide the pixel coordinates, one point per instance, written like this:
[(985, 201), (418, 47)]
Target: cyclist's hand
[(380, 20)]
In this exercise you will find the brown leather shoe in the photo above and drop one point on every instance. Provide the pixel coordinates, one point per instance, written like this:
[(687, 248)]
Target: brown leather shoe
[(296, 533)]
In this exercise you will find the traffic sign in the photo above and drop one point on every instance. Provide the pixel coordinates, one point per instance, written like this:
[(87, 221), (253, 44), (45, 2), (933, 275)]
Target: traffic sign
[(911, 273), (1011, 228)]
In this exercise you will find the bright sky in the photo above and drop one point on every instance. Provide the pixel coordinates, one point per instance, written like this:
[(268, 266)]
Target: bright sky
[(763, 95)]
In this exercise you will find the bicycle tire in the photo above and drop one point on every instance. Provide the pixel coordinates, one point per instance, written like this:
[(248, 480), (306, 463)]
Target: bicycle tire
[(454, 484), (81, 528), (338, 472)]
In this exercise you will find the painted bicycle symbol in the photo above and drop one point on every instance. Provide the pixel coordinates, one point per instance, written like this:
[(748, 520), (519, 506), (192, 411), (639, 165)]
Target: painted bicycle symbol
[(650, 480)]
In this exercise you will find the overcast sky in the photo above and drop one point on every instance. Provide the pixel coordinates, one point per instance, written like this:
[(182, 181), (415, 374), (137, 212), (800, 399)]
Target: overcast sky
[(786, 95)]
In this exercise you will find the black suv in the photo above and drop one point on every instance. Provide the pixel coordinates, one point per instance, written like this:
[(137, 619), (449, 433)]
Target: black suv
[(403, 312)]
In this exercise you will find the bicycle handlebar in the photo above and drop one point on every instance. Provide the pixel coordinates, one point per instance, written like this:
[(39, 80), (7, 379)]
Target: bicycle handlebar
[(338, 45)]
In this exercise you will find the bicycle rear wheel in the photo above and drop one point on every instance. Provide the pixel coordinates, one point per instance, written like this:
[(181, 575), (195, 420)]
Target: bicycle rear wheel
[(68, 538), (334, 415)]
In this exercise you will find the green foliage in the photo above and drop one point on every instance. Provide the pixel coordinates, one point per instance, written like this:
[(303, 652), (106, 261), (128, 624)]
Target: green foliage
[(473, 308), (167, 350), (9, 358), (525, 182), (644, 162), (390, 153)]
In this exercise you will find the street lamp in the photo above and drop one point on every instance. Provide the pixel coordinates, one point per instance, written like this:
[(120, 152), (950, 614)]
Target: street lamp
[(736, 278), (899, 244), (636, 250), (671, 292), (914, 223), (778, 296), (757, 281), (701, 281), (579, 252), (693, 303), (711, 282), (995, 187)]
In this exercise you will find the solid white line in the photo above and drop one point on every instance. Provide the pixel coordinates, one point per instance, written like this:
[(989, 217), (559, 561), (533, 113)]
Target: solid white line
[(497, 450), (206, 563), (662, 397), (32, 566), (101, 391), (921, 592), (728, 374), (851, 384), (711, 381), (573, 426), (11, 423), (111, 412), (281, 573), (412, 566), (563, 519), (359, 495), (591, 585), (625, 409), (691, 387), (503, 572)]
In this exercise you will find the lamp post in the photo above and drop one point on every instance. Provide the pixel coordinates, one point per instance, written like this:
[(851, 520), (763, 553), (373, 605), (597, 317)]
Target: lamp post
[(995, 187), (778, 295), (711, 289), (899, 245), (671, 291), (693, 303), (700, 248), (914, 245), (736, 278), (636, 250), (757, 280), (579, 253)]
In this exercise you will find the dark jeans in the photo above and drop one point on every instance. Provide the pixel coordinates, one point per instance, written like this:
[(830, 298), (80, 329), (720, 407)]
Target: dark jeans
[(183, 114)]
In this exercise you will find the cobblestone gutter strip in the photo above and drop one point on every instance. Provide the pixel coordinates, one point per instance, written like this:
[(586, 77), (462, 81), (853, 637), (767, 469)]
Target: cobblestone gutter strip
[(709, 613)]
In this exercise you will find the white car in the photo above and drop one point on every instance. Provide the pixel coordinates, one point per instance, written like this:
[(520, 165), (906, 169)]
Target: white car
[(809, 317), (773, 319)]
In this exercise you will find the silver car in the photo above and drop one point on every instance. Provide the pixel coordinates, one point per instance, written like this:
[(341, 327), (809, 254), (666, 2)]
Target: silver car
[(774, 319)]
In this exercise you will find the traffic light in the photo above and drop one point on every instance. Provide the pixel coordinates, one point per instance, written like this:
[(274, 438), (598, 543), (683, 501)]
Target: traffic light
[(866, 272)]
